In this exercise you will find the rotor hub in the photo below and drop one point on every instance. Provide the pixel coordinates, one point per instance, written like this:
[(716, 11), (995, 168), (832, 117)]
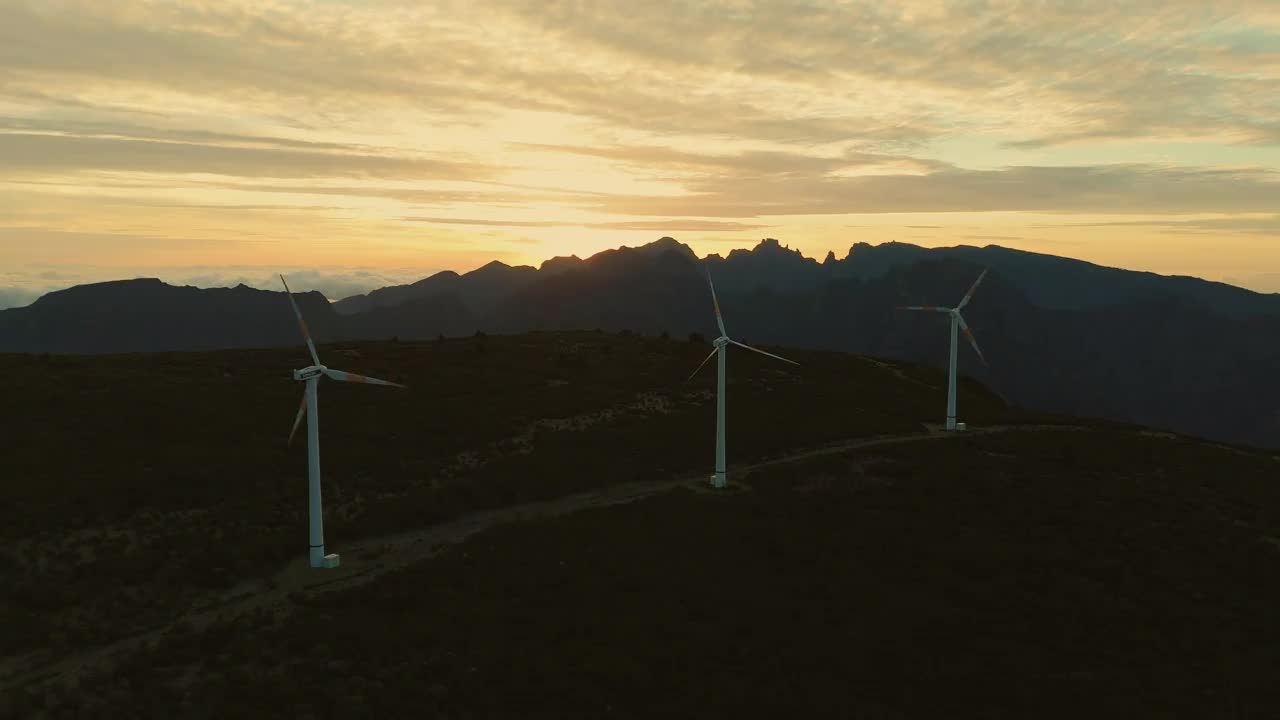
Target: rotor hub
[(720, 341)]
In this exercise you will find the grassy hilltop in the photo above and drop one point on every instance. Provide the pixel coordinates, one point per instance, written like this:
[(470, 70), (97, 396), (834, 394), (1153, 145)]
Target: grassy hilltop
[(156, 525)]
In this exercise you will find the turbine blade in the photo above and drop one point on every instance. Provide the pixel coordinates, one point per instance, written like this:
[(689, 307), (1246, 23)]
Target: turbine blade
[(926, 308), (964, 327), (776, 357), (302, 410), (354, 378), (306, 334), (714, 301), (969, 294), (704, 362)]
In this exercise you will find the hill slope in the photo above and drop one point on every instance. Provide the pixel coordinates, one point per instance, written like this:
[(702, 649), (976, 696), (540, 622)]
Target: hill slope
[(885, 584), (181, 474), (864, 564)]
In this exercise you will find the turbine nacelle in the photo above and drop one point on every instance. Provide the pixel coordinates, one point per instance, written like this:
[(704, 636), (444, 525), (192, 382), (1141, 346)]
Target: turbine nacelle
[(307, 373), (721, 341)]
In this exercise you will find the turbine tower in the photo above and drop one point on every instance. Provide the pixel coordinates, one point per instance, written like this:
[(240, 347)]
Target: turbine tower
[(957, 324), (309, 407), (721, 349)]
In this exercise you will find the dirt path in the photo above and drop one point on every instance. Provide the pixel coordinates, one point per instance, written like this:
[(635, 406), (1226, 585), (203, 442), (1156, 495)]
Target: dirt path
[(366, 560)]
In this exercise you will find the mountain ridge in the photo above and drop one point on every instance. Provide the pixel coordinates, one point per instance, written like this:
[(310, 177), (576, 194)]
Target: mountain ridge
[(1062, 335)]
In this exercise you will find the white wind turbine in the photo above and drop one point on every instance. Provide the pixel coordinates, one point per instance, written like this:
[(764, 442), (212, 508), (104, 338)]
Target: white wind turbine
[(721, 348), (311, 376), (957, 324)]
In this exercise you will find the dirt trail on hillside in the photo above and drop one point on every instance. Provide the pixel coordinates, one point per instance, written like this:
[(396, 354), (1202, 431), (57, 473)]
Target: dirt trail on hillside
[(366, 560)]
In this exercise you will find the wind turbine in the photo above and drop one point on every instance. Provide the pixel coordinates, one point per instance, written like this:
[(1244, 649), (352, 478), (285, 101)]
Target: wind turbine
[(721, 348), (957, 324), (309, 407)]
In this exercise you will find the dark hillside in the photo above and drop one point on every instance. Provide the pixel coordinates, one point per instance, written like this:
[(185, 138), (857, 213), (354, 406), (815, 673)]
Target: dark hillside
[(1032, 573), (136, 485)]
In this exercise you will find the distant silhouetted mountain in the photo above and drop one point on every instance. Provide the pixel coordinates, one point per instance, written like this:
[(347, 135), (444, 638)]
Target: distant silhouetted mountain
[(1061, 335), (1057, 282), (146, 315), (769, 264), (479, 289), (647, 289)]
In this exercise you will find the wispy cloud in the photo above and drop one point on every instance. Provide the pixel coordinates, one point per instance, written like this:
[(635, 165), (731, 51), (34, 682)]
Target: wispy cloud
[(1261, 225), (747, 163), (1103, 189), (479, 221), (682, 225), (26, 153)]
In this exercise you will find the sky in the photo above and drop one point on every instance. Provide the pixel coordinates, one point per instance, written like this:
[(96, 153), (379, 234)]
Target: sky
[(359, 143)]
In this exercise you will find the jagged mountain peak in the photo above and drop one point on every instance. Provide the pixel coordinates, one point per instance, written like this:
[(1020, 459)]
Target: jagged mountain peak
[(665, 244), (559, 264)]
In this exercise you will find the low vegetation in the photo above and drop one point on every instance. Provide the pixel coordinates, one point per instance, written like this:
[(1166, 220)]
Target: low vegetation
[(139, 485), (1030, 572), (1026, 574)]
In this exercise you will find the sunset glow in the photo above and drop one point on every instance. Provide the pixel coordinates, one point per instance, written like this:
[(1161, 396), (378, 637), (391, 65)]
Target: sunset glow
[(360, 143)]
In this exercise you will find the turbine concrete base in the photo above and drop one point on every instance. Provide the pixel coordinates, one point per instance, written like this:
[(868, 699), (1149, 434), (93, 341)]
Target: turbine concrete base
[(321, 561), (718, 481)]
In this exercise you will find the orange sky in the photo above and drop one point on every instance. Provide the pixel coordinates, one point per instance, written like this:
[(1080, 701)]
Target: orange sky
[(356, 143)]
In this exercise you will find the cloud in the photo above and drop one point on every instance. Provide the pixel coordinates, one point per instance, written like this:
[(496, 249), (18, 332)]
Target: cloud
[(1085, 69), (754, 162), (135, 131), (678, 225), (477, 221), (803, 73), (682, 225), (414, 196), (1132, 189), (1266, 225), (256, 55), (336, 59), (26, 153)]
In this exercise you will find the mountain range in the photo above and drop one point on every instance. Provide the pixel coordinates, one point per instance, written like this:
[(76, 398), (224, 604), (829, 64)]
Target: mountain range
[(1061, 335)]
